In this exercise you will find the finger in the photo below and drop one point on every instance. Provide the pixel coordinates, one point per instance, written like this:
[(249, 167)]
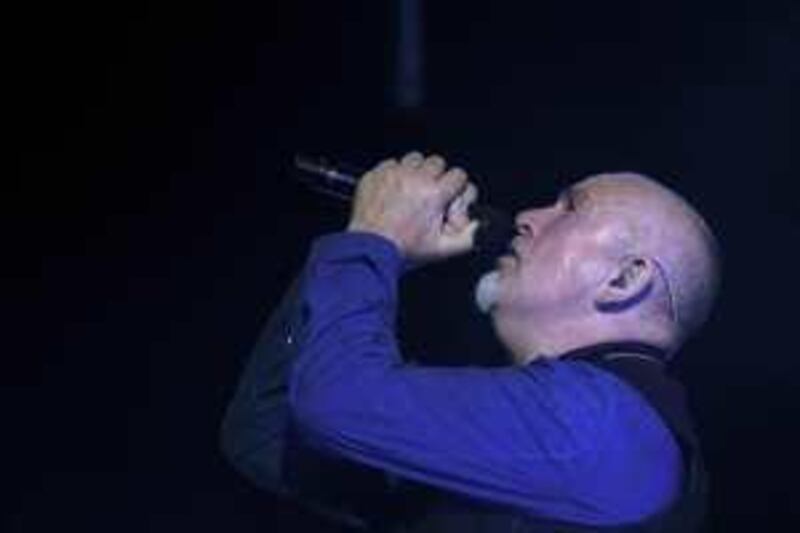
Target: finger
[(469, 196), (452, 183), (378, 170), (412, 159), (458, 240), (459, 206), (385, 164), (457, 214), (433, 166)]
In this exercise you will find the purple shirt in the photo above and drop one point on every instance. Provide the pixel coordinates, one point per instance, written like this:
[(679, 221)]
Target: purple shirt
[(558, 439)]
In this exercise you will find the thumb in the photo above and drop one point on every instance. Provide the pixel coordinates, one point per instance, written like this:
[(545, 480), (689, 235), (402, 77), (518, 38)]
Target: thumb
[(457, 240), (458, 230), (458, 211)]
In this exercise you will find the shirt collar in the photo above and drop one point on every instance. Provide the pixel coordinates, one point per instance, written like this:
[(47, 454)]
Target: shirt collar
[(607, 350)]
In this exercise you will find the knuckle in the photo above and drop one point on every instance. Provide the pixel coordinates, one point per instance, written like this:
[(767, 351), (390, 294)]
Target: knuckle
[(384, 166), (434, 161), (457, 177), (459, 173)]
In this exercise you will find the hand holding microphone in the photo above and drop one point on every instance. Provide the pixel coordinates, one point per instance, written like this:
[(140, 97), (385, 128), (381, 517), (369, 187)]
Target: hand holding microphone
[(495, 228), (418, 204)]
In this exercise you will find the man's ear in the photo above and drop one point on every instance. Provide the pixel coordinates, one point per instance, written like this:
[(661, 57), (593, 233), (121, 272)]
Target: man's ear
[(629, 284)]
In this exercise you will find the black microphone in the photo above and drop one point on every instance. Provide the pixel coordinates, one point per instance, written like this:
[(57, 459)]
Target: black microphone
[(495, 229)]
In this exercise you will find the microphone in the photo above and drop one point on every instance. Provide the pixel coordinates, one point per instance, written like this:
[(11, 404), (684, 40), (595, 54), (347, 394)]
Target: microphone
[(339, 181)]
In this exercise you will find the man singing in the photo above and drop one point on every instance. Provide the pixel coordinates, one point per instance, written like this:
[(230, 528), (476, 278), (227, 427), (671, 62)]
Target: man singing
[(583, 432)]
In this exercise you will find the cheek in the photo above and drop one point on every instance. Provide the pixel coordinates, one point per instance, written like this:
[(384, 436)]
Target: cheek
[(541, 280), (583, 269), (573, 269), (559, 271), (580, 268)]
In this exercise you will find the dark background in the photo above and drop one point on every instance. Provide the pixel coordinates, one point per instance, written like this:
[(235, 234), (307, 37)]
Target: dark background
[(151, 224)]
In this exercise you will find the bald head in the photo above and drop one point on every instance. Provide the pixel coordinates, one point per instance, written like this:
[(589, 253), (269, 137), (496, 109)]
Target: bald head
[(617, 257), (653, 221)]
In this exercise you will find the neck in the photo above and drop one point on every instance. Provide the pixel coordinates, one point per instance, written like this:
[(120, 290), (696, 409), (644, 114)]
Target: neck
[(576, 338), (610, 351), (528, 340)]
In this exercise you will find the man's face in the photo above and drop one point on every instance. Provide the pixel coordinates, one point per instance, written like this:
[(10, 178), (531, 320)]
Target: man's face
[(561, 255), (567, 261)]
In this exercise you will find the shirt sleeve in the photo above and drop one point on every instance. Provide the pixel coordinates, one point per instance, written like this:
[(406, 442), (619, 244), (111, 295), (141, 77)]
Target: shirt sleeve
[(257, 438), (548, 438), (255, 426)]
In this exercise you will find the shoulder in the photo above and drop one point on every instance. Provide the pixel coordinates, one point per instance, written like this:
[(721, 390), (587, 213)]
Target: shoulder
[(635, 467)]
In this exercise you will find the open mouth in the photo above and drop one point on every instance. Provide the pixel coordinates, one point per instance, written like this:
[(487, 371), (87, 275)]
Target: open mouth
[(511, 254)]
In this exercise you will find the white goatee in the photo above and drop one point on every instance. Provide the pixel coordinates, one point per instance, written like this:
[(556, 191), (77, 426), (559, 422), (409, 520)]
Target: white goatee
[(487, 291)]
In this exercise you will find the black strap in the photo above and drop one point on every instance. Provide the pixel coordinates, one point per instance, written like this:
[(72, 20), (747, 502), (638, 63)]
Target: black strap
[(601, 351)]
